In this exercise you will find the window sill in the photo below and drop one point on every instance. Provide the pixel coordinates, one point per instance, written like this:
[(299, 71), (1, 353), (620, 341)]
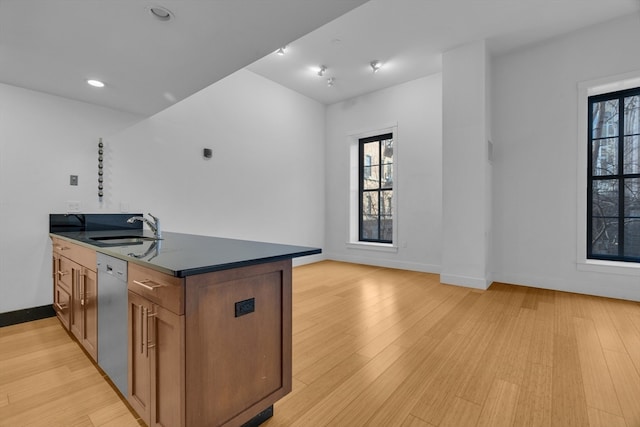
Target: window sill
[(369, 246), (610, 267)]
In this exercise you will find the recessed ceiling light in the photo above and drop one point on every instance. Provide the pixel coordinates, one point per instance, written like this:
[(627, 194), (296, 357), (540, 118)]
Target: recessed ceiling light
[(160, 13), (95, 83)]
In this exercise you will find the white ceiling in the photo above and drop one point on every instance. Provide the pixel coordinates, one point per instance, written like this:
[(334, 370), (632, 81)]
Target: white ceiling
[(54, 45), (409, 36)]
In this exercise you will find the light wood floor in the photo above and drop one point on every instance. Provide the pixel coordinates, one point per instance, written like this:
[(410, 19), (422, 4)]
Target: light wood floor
[(47, 380), (382, 347)]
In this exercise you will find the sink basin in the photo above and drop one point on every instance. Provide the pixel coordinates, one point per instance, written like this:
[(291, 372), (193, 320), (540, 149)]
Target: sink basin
[(123, 240)]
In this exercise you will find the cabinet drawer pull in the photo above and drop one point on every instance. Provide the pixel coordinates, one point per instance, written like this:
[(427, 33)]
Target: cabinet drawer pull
[(142, 339), (62, 273), (143, 283), (83, 289), (62, 248), (60, 306), (149, 341)]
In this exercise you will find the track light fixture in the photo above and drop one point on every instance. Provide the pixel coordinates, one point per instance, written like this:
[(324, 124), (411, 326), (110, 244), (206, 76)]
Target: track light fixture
[(160, 13), (375, 65), (322, 70), (281, 51), (330, 81)]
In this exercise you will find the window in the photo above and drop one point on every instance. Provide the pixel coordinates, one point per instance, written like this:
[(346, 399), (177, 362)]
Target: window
[(613, 194), (375, 188)]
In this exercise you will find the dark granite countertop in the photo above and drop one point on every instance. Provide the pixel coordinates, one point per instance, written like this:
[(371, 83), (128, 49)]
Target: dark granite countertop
[(184, 255)]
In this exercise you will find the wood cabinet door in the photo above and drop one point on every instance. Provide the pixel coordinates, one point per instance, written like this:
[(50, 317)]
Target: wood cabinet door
[(166, 350), (238, 345), (89, 305), (139, 376)]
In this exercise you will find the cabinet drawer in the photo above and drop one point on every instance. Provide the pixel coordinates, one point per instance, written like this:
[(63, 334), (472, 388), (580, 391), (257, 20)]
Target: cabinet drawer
[(162, 289), (66, 269), (80, 254), (62, 304)]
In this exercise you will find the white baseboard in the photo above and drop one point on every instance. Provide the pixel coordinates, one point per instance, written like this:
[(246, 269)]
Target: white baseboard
[(387, 263), (604, 289), (466, 281)]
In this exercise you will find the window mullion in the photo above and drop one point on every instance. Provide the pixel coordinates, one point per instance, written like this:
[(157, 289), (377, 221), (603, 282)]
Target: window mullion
[(621, 176), (379, 189), (590, 180), (361, 189)]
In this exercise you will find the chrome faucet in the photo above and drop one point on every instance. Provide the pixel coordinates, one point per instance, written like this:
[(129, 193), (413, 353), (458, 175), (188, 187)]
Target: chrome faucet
[(154, 226)]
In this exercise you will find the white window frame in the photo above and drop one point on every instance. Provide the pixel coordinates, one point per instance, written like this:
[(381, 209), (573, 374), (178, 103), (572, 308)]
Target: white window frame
[(585, 90), (353, 139)]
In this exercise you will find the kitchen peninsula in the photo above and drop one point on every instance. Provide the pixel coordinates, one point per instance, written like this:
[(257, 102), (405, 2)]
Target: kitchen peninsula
[(209, 320)]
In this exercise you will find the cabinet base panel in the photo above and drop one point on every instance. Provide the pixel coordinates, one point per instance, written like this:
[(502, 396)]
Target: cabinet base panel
[(260, 418), (26, 315)]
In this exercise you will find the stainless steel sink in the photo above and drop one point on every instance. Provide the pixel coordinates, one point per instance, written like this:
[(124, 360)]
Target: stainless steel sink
[(123, 240)]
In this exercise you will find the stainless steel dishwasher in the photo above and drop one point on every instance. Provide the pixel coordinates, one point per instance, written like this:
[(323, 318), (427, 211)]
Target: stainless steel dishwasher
[(112, 319)]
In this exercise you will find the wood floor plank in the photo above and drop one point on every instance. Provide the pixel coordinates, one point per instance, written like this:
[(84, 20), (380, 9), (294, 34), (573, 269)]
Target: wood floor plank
[(451, 298), (475, 387), (327, 344), (392, 395), (419, 394), (295, 404), (462, 413), (598, 387), (534, 402), (346, 392), (320, 366), (116, 415), (598, 418), (541, 347), (569, 406), (412, 421), (499, 408), (622, 315), (513, 360), (606, 328), (626, 381), (55, 385), (436, 396), (33, 362), (391, 334), (64, 406)]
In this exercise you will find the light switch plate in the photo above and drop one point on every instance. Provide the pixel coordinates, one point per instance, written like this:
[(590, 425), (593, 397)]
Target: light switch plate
[(73, 180)]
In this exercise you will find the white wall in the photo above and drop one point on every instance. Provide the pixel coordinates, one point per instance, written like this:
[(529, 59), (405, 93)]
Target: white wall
[(535, 128), (266, 178), (43, 140), (416, 108)]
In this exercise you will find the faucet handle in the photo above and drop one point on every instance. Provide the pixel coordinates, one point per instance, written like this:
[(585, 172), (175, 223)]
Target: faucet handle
[(156, 227)]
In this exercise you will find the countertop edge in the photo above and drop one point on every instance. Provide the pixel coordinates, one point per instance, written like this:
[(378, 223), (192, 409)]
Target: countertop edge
[(182, 273)]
